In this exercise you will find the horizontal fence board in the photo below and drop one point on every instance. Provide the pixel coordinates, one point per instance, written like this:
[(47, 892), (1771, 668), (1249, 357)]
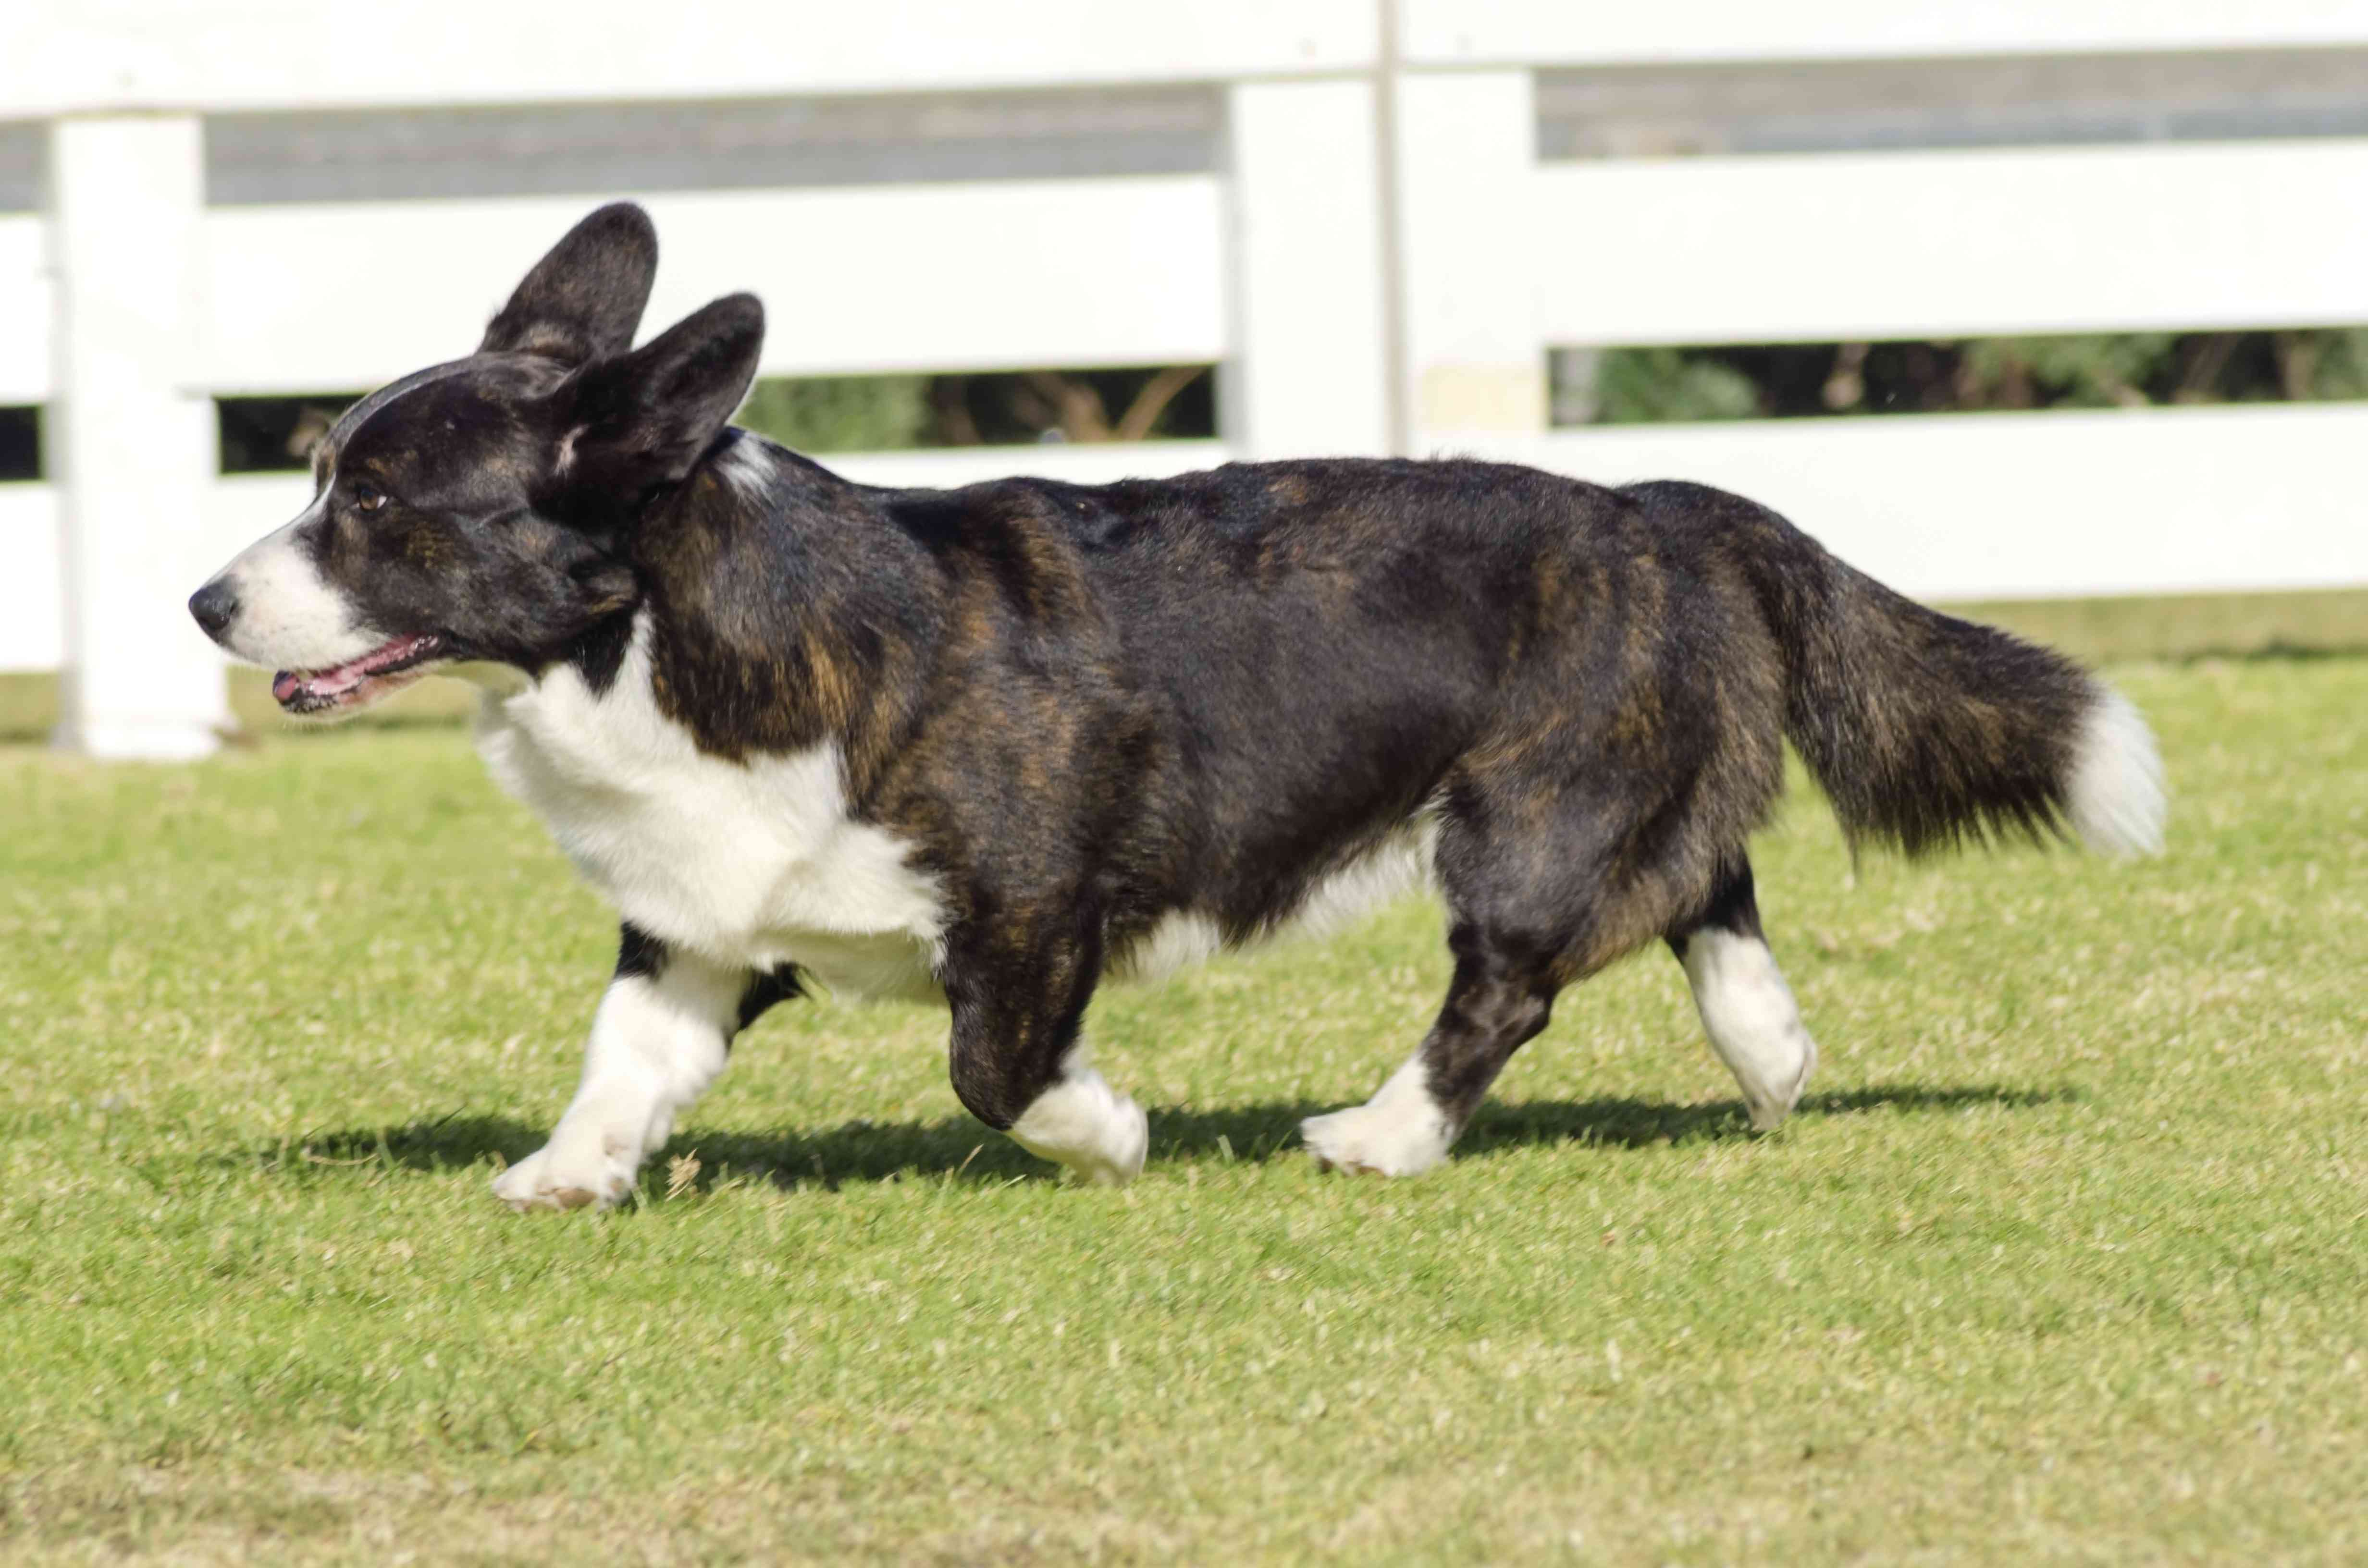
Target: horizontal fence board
[(1937, 244), (25, 368), (1448, 32), (32, 585), (445, 155), (261, 54), (2010, 506), (1079, 463), (989, 276)]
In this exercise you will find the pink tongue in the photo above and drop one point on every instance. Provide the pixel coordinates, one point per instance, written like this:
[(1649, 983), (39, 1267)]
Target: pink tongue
[(330, 683)]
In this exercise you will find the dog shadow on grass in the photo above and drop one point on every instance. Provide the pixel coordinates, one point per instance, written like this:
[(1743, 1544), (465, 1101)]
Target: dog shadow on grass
[(958, 1149)]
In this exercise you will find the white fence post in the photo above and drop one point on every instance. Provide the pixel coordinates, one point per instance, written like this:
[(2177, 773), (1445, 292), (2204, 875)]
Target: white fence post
[(1467, 158), (1307, 376), (129, 437)]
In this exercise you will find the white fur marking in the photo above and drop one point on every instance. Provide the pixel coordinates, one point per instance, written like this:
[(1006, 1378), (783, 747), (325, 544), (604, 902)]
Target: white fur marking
[(1401, 1131), (656, 1046), (1753, 1022), (288, 617), (1390, 869), (2116, 789), (1083, 1123), (754, 864), (747, 467), (1400, 864), (1183, 938)]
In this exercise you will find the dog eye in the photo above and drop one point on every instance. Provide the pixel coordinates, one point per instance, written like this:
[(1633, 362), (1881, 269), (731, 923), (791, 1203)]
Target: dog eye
[(368, 497)]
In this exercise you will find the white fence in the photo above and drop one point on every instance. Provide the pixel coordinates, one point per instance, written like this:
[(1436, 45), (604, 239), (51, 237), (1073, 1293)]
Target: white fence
[(1377, 255)]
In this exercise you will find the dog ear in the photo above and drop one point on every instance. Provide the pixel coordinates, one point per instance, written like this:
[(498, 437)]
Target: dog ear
[(583, 300), (644, 418)]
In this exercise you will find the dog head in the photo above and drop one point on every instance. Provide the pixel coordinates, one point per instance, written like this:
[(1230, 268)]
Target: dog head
[(478, 511)]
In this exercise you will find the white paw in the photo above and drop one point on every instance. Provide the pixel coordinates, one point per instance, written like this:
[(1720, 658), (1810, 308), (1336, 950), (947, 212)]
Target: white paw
[(582, 1173), (1401, 1131), (1771, 1098), (1087, 1126), (1753, 1023), (1118, 1159)]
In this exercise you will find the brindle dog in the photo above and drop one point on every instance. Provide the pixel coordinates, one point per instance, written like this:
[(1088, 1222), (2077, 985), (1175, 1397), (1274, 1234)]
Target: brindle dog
[(996, 744)]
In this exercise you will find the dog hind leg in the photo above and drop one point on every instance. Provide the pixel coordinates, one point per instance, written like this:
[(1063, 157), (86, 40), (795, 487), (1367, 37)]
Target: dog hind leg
[(1548, 878), (1522, 895), (1499, 999), (1746, 1009)]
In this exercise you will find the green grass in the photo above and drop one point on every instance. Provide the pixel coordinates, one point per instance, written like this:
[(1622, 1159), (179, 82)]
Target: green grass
[(2063, 1259)]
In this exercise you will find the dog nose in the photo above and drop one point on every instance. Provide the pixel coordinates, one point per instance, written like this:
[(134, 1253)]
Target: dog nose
[(215, 605)]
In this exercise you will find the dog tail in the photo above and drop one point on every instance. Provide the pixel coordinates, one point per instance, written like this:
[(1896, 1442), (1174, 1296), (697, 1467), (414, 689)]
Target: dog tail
[(1926, 731)]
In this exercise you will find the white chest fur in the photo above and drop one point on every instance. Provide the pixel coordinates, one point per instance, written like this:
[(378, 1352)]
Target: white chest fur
[(755, 863)]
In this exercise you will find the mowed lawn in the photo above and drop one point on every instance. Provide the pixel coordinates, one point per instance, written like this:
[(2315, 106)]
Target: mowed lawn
[(2065, 1256)]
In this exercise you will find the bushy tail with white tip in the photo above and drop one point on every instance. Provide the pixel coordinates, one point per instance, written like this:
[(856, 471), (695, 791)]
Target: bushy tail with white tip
[(1926, 730), (2115, 794)]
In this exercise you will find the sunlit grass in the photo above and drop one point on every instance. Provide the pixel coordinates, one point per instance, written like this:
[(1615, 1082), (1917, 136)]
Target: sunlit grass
[(2062, 1258)]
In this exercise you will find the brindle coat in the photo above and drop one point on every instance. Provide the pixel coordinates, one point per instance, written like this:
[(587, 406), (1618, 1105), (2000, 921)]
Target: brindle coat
[(1089, 709)]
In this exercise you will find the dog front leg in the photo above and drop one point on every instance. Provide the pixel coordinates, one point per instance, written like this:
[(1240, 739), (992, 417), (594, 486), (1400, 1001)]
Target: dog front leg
[(658, 1040), (1018, 997)]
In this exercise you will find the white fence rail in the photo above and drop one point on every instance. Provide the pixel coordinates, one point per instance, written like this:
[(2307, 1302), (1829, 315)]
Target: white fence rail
[(943, 277), (24, 311), (1857, 246), (1493, 32), (99, 56), (1379, 261), (1987, 505)]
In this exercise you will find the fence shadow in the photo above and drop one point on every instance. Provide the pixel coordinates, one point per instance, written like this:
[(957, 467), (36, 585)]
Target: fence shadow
[(958, 1149)]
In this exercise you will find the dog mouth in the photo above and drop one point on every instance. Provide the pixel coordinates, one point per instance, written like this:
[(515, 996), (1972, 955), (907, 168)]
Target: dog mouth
[(387, 668)]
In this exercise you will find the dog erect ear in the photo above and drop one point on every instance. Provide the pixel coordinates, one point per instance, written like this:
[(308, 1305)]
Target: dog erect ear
[(644, 418), (583, 300)]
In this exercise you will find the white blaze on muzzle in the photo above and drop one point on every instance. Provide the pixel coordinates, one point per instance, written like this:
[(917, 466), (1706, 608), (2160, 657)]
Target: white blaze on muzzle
[(284, 615), (289, 615)]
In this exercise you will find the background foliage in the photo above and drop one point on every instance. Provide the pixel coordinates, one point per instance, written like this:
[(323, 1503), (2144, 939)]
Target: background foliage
[(2127, 369)]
